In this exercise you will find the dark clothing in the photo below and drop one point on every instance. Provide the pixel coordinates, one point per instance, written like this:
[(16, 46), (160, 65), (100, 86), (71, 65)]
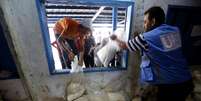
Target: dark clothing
[(88, 52), (89, 43), (174, 92), (167, 92), (89, 60), (64, 57)]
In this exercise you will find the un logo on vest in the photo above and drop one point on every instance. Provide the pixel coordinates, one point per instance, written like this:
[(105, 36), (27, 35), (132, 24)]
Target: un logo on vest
[(170, 41)]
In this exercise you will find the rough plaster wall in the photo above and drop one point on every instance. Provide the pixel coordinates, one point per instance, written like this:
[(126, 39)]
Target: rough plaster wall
[(142, 5), (23, 23), (164, 3), (24, 27), (196, 73), (8, 87), (13, 90)]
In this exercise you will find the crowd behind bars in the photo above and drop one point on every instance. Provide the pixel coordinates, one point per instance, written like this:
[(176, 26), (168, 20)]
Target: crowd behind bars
[(71, 40)]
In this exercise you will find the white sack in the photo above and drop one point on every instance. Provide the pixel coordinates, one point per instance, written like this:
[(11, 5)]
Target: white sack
[(107, 53), (75, 68)]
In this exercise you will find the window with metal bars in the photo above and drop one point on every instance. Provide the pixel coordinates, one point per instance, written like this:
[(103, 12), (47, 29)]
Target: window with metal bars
[(104, 18)]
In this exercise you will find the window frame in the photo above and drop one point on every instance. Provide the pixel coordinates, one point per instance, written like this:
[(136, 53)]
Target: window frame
[(45, 32)]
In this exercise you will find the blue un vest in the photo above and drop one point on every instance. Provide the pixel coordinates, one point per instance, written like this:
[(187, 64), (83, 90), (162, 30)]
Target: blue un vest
[(164, 62)]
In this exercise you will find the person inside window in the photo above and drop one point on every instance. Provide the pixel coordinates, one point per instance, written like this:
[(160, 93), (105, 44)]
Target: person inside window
[(89, 51), (67, 29)]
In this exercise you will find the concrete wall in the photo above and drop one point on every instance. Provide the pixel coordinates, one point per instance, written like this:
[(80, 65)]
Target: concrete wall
[(14, 90), (143, 5), (23, 22)]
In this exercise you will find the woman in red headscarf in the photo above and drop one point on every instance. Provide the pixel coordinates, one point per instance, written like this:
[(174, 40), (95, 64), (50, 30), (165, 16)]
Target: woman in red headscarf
[(69, 29)]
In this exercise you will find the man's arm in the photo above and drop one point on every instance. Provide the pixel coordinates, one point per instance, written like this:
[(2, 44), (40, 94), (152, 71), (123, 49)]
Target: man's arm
[(137, 43)]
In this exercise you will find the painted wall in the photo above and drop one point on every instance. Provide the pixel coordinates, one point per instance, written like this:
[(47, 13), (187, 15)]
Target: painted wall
[(23, 23)]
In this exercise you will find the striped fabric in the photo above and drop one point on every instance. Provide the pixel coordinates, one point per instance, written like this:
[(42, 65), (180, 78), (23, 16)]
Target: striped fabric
[(138, 43)]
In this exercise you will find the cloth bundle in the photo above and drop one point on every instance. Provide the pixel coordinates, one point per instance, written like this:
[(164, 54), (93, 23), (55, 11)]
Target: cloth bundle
[(75, 67), (107, 52)]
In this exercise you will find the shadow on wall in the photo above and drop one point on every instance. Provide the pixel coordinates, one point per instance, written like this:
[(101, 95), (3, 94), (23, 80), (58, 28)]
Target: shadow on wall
[(8, 68)]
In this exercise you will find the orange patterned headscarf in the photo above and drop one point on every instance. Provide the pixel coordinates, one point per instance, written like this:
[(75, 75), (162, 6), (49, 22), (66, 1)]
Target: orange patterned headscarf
[(67, 27)]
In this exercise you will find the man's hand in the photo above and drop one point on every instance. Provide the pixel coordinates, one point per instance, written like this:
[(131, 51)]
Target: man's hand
[(113, 37), (122, 45)]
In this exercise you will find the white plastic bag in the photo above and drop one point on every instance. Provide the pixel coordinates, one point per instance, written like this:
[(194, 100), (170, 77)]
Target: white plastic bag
[(107, 53), (75, 68)]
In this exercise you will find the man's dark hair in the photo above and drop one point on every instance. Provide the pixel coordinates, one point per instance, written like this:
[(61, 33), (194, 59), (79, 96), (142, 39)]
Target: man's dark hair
[(157, 13)]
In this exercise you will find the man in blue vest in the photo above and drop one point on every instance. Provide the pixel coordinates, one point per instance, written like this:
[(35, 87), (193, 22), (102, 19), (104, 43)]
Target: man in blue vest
[(163, 65)]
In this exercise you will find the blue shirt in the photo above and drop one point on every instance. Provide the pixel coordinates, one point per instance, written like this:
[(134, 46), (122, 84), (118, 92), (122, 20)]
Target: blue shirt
[(162, 60)]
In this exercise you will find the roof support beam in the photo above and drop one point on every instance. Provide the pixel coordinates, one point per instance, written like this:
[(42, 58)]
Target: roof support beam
[(121, 22), (98, 13), (114, 18)]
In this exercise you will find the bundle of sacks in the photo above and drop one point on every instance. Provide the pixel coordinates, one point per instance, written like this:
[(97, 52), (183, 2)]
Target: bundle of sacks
[(107, 49)]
